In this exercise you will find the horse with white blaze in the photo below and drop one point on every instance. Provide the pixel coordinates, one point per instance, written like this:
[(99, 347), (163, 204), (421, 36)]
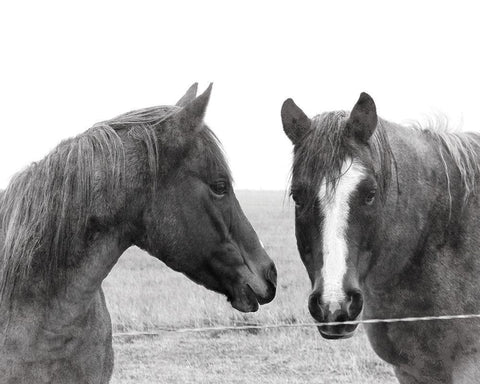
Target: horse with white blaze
[(387, 225)]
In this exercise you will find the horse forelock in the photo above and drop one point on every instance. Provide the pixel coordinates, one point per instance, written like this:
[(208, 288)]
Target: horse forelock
[(143, 120), (214, 157), (319, 158), (45, 209)]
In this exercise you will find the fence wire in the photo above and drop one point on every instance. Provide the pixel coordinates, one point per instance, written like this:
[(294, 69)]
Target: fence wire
[(160, 331)]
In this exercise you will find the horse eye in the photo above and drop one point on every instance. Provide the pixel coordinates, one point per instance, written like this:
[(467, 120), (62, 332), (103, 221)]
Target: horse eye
[(296, 200), (219, 187), (370, 197)]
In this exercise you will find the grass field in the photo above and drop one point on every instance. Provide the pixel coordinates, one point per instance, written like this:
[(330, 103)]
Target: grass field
[(144, 295)]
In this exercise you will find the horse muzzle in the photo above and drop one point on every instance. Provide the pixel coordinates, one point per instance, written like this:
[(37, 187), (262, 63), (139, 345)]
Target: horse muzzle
[(336, 312), (266, 286), (250, 295)]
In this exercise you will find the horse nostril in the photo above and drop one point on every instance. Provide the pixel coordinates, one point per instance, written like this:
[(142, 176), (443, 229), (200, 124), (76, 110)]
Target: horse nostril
[(316, 307), (320, 302), (271, 275), (355, 304)]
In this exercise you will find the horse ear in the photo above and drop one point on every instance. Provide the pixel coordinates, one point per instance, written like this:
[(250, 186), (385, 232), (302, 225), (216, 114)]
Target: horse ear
[(296, 123), (363, 119), (190, 117), (189, 96)]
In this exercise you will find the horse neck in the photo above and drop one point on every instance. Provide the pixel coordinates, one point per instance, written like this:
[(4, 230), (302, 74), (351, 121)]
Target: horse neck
[(111, 230), (84, 282), (420, 206)]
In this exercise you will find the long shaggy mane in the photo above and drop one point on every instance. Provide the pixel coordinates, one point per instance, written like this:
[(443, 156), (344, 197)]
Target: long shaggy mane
[(45, 209)]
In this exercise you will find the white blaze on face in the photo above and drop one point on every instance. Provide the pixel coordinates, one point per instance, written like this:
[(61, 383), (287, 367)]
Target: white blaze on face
[(336, 210)]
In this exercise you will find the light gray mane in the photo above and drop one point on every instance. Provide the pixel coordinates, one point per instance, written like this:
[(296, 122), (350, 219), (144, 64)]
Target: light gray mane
[(462, 148)]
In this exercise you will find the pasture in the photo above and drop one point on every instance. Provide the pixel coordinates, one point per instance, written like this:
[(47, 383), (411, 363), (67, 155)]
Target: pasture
[(144, 295)]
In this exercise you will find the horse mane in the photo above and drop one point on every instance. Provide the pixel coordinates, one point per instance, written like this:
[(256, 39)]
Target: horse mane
[(321, 154), (461, 148), (45, 210)]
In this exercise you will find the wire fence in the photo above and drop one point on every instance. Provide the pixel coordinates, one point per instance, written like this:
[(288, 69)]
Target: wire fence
[(160, 331)]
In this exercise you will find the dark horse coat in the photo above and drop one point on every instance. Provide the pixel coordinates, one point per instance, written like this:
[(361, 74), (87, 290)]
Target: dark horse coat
[(155, 178), (387, 222)]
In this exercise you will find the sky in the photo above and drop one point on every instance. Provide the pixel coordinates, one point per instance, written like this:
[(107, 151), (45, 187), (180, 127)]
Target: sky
[(65, 66)]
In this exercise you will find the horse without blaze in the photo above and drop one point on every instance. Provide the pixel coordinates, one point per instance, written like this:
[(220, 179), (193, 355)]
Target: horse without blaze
[(155, 178)]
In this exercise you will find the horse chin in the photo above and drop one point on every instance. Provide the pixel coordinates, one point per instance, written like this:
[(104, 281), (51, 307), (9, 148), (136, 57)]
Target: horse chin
[(337, 332), (244, 300)]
